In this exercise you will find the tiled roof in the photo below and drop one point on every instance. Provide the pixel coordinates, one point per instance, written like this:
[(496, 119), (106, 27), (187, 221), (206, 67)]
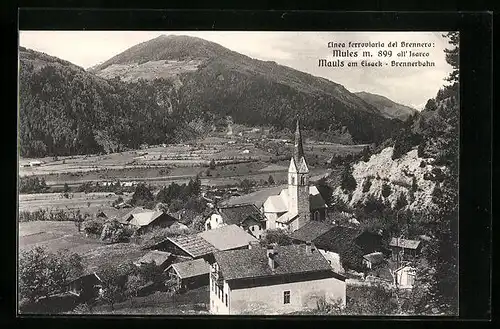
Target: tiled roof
[(257, 198), (238, 213), (404, 243), (276, 203), (128, 216), (158, 257), (337, 238), (194, 245), (374, 257), (227, 237), (191, 268), (253, 263), (286, 218), (260, 197), (311, 230)]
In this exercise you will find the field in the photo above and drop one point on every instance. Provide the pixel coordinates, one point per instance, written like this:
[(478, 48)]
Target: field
[(55, 236)]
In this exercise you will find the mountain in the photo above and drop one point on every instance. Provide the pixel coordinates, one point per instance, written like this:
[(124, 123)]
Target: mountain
[(174, 88), (388, 108), (64, 109), (210, 78)]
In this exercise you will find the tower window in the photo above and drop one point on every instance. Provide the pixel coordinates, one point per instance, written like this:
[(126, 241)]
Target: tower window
[(302, 180), (293, 180), (316, 215)]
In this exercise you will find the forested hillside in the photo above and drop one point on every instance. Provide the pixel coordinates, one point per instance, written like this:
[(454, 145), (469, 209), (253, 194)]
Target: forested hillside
[(65, 110), (175, 87), (251, 91), (387, 107), (408, 187)]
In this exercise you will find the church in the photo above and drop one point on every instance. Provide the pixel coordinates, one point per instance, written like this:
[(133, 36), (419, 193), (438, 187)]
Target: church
[(299, 202)]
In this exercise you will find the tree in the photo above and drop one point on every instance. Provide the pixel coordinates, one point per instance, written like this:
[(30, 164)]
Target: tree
[(278, 236), (150, 272), (367, 183), (212, 164), (43, 273), (442, 250), (113, 284), (66, 188), (93, 227), (430, 105), (270, 180), (421, 150), (134, 284), (386, 190), (401, 202), (142, 195), (325, 190), (365, 154), (347, 181), (246, 185)]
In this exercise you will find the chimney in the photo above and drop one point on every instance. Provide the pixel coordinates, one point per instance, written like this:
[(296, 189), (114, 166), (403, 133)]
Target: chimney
[(271, 253), (253, 244), (308, 247)]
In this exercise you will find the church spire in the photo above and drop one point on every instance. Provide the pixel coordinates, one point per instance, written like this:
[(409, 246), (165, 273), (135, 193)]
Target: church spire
[(298, 150)]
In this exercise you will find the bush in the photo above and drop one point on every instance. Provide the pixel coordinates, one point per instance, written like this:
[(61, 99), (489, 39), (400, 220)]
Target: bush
[(277, 236), (367, 183), (93, 227), (386, 190), (32, 185)]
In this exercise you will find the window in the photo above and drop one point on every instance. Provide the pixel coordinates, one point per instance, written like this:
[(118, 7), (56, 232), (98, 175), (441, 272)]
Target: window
[(293, 180), (226, 300), (253, 228), (218, 292), (316, 215), (411, 279), (286, 297), (302, 180)]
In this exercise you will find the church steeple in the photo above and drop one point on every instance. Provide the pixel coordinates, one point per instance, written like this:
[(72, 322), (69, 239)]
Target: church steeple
[(298, 150)]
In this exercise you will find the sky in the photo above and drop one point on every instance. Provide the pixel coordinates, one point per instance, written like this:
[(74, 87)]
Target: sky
[(411, 86)]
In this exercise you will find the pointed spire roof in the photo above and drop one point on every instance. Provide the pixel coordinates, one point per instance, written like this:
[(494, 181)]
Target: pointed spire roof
[(298, 150)]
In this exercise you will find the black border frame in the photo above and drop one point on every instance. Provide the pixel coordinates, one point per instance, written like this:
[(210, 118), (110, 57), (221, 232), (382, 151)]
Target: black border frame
[(476, 126)]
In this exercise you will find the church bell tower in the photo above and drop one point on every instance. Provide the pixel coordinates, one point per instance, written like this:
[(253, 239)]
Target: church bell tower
[(298, 181)]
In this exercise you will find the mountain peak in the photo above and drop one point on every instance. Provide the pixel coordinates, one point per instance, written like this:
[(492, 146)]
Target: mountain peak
[(167, 47), (387, 107)]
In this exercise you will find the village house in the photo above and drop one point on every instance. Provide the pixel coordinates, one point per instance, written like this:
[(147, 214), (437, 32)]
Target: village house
[(204, 244), (186, 247), (161, 259), (143, 220), (405, 277), (332, 240), (373, 260), (85, 287), (246, 216), (272, 280), (229, 237), (404, 249), (188, 275)]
